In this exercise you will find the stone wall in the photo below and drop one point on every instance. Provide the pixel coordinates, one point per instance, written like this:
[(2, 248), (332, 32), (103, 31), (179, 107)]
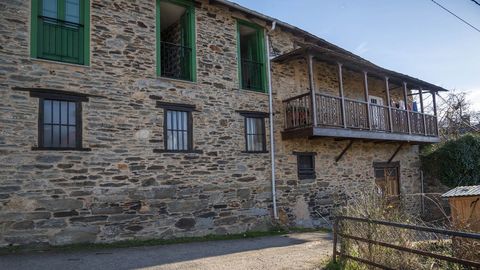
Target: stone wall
[(121, 189)]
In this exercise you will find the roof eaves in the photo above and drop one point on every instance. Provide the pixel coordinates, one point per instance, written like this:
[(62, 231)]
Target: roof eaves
[(317, 39)]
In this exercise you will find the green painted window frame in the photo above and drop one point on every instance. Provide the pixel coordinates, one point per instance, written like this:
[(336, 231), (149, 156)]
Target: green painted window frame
[(84, 19), (190, 5), (261, 47)]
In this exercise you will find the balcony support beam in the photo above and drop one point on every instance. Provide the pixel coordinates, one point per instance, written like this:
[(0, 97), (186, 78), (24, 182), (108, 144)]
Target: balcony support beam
[(423, 111), (387, 89), (312, 89), (337, 159), (395, 153), (405, 100), (342, 96), (367, 98)]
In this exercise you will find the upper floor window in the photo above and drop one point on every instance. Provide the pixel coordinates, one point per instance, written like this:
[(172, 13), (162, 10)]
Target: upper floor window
[(252, 57), (176, 39), (60, 30)]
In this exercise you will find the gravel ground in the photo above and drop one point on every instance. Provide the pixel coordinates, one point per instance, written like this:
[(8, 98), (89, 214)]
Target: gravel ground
[(293, 251)]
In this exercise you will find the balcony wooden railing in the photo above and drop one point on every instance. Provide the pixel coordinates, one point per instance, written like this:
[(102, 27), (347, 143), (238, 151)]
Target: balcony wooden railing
[(359, 115)]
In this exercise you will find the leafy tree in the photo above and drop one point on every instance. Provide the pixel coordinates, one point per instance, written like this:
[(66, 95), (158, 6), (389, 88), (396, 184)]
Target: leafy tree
[(455, 162)]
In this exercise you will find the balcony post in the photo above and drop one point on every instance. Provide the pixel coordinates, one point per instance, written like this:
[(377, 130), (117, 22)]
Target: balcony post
[(434, 101), (312, 89), (405, 100), (423, 112), (365, 83), (342, 96), (387, 89)]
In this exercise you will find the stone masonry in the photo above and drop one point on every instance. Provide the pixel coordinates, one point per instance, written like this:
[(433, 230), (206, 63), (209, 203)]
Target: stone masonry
[(121, 189)]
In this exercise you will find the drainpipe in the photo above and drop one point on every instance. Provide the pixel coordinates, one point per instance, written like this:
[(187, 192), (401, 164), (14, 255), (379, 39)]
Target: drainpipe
[(271, 114)]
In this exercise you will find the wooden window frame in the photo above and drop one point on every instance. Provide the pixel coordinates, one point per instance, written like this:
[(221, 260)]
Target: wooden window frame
[(257, 115), (190, 5), (310, 174), (188, 108), (263, 56), (383, 165), (60, 96), (35, 13)]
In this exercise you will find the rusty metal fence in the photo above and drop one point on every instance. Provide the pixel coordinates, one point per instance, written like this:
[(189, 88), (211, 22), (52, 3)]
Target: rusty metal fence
[(338, 234)]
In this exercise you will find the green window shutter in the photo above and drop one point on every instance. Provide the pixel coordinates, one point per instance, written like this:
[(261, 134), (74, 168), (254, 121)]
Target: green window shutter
[(251, 57), (183, 48), (60, 30)]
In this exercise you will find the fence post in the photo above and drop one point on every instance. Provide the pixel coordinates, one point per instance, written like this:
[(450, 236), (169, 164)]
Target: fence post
[(335, 238)]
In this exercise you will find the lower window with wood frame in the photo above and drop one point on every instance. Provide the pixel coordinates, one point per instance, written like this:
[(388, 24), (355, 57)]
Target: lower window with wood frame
[(177, 127), (387, 178), (306, 165), (255, 137), (59, 119)]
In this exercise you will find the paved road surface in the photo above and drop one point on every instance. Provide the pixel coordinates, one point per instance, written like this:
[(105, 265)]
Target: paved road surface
[(294, 251)]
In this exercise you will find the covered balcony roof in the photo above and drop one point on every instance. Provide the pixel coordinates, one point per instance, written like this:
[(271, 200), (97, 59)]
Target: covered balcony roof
[(353, 62)]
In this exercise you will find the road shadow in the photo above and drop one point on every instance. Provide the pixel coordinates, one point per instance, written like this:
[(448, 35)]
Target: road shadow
[(151, 256)]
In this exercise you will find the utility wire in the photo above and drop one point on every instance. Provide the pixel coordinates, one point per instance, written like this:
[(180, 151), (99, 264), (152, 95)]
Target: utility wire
[(444, 8), (476, 2)]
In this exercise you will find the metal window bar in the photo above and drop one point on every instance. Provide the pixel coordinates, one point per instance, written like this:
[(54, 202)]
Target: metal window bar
[(177, 130), (251, 72), (57, 130), (255, 134), (175, 61), (60, 40)]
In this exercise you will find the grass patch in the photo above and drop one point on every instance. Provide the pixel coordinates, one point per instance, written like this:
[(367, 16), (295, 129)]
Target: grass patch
[(153, 242)]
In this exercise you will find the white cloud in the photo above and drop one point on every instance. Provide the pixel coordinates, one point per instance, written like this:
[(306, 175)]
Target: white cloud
[(361, 48)]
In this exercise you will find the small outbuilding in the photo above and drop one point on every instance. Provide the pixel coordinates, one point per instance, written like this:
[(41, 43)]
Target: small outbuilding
[(465, 207)]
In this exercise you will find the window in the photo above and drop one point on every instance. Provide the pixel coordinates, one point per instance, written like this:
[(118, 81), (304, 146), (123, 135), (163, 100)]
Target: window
[(178, 131), (252, 57), (255, 141), (177, 127), (176, 39), (60, 30), (59, 127), (387, 178), (376, 100), (306, 165)]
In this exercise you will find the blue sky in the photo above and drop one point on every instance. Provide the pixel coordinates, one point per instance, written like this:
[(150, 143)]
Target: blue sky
[(415, 37)]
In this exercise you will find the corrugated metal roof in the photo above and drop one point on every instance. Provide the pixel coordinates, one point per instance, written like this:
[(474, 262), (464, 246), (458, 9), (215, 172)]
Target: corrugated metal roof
[(463, 191)]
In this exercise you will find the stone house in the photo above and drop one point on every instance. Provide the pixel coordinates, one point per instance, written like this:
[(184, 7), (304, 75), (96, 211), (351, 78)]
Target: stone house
[(154, 119)]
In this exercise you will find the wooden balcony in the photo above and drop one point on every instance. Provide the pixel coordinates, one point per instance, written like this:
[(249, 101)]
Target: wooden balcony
[(346, 118)]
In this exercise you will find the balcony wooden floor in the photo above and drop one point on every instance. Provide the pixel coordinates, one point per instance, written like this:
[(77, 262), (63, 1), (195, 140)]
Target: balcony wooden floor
[(367, 135)]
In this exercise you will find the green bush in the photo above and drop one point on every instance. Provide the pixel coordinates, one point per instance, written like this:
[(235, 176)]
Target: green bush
[(455, 162)]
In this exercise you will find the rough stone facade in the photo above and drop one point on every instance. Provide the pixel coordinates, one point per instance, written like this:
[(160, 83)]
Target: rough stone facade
[(122, 189)]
